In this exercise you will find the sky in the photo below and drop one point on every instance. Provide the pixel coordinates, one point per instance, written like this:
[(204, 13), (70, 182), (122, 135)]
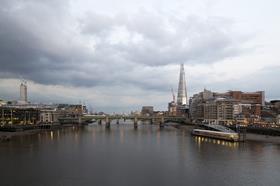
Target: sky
[(116, 56)]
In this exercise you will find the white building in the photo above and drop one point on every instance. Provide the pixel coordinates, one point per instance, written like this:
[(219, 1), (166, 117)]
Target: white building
[(23, 93), (48, 116), (2, 102), (238, 108)]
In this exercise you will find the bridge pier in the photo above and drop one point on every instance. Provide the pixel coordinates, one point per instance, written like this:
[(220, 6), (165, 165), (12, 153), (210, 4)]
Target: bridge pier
[(161, 123), (118, 121), (152, 121), (135, 123), (100, 122), (108, 122)]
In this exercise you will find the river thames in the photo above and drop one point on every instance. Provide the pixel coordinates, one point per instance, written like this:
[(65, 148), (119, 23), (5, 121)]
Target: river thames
[(147, 156)]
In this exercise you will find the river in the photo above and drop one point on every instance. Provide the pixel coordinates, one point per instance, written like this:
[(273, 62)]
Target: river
[(122, 155)]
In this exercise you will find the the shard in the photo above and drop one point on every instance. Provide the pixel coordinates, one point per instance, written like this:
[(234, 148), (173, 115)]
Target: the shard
[(182, 89)]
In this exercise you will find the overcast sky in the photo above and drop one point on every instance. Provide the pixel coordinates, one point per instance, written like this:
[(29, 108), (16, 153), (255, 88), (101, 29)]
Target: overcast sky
[(120, 55)]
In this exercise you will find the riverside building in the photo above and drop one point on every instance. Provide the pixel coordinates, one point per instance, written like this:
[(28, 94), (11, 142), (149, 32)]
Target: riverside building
[(23, 93), (226, 108), (147, 111)]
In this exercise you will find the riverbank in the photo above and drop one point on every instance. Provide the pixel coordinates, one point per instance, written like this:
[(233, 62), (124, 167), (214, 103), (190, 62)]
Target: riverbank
[(262, 138), (6, 136), (8, 133)]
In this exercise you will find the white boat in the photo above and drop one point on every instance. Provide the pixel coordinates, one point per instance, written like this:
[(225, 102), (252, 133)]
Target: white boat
[(230, 136)]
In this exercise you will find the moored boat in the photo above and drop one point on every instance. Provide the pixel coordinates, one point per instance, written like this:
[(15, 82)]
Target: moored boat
[(224, 135)]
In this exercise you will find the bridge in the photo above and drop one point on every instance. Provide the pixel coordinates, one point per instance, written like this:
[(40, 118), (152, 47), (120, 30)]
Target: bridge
[(158, 120)]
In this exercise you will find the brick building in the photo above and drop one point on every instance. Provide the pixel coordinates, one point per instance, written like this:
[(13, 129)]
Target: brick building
[(226, 107)]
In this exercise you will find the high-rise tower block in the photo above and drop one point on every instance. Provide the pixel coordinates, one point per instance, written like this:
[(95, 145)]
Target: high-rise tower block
[(23, 92), (182, 88)]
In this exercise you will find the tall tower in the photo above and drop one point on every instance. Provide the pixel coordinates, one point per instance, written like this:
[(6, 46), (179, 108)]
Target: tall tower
[(182, 88), (23, 92)]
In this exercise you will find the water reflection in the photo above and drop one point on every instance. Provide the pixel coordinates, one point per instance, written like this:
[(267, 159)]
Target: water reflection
[(203, 140), (158, 137), (51, 135), (39, 137), (93, 134), (122, 135)]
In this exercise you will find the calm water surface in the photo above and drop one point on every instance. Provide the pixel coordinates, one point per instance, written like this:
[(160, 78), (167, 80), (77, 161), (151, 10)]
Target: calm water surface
[(123, 156)]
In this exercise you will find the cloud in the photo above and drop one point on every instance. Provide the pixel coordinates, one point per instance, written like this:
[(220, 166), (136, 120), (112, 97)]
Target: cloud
[(52, 46), (111, 56), (154, 40), (262, 79), (109, 99)]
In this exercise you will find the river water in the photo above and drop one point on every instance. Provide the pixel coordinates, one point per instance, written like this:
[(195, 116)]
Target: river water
[(147, 156)]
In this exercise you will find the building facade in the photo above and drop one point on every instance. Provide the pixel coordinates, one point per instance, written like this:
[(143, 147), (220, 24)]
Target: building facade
[(226, 108), (49, 116), (19, 116), (23, 93), (147, 111), (172, 108)]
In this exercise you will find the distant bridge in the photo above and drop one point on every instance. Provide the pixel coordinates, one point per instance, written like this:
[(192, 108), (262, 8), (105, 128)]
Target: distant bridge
[(158, 120)]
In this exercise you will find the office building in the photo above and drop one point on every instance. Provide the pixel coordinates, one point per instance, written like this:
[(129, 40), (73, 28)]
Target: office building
[(147, 111), (23, 93), (226, 108)]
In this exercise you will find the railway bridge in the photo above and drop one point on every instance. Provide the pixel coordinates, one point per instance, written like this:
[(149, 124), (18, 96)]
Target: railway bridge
[(157, 120)]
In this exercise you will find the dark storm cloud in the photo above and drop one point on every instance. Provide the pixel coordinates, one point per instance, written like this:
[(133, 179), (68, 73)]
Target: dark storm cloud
[(42, 41), (30, 44)]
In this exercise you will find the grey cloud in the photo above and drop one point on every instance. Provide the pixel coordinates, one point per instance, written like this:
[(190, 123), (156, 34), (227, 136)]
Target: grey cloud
[(96, 24), (168, 40), (43, 42), (30, 45)]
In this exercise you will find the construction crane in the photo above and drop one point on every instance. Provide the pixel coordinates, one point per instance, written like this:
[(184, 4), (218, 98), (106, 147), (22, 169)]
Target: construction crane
[(173, 95)]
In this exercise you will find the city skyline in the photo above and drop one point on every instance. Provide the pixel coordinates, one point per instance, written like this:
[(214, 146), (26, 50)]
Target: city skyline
[(121, 59), (139, 92)]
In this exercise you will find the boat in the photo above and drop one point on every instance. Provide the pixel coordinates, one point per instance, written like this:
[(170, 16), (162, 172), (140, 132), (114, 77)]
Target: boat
[(230, 136), (216, 131)]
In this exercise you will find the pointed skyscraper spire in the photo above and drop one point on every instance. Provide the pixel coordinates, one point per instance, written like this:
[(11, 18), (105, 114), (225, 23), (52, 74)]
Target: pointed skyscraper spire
[(182, 89)]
